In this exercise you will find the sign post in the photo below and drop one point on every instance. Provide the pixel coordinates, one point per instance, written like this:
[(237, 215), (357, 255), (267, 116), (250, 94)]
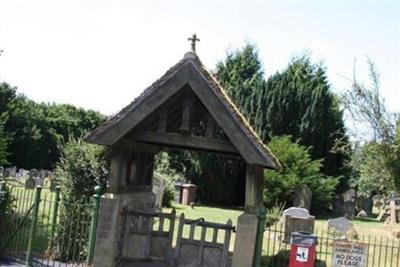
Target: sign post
[(346, 254)]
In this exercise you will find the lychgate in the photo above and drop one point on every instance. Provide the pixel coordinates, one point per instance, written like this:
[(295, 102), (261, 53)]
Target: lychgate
[(185, 109)]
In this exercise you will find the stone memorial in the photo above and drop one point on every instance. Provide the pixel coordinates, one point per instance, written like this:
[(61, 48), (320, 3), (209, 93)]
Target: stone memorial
[(368, 205), (33, 173), (362, 214), (6, 172), (30, 183), (42, 174), (302, 198), (297, 220), (13, 172), (165, 116), (158, 189), (340, 225), (54, 183), (349, 206), (1, 171)]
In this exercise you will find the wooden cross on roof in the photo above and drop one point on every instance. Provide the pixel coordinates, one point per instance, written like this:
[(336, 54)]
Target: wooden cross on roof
[(193, 40)]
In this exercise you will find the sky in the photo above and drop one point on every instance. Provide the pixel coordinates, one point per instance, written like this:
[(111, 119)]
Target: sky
[(102, 54)]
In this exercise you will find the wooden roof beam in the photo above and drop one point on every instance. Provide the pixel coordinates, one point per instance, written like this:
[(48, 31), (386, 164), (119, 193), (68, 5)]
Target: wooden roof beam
[(185, 141)]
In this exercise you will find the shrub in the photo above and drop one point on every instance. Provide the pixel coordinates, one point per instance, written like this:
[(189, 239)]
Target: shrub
[(298, 169), (274, 214), (168, 196), (82, 166), (5, 199)]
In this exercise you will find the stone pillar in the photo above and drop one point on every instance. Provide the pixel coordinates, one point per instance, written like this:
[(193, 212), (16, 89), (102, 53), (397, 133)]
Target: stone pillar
[(107, 236), (113, 242), (246, 234)]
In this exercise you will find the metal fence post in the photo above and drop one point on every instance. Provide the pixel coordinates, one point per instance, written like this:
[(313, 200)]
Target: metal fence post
[(260, 236), (32, 230), (93, 225), (55, 214)]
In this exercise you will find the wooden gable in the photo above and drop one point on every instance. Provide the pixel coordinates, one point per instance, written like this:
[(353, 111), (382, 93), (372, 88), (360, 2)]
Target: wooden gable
[(186, 108)]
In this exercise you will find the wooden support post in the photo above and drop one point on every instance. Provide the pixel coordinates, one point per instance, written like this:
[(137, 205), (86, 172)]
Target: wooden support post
[(210, 126), (254, 188), (186, 114), (162, 123), (248, 222)]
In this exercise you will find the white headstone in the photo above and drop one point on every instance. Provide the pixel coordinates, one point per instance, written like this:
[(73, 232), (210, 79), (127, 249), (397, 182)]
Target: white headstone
[(297, 212)]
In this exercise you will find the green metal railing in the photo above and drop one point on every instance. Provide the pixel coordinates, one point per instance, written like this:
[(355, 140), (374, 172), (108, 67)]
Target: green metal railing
[(45, 230)]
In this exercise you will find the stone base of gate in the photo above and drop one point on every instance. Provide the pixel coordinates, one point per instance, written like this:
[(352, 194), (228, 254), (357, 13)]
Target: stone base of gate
[(109, 237)]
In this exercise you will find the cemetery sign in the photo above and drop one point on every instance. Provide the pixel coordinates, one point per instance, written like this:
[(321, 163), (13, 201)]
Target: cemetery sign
[(346, 254)]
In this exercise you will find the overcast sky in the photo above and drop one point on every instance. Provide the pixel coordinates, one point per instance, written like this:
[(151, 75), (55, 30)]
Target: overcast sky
[(101, 54)]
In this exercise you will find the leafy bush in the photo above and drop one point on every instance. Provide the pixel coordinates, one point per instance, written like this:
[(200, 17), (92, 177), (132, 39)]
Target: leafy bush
[(298, 169), (5, 199), (81, 168), (168, 196), (274, 214)]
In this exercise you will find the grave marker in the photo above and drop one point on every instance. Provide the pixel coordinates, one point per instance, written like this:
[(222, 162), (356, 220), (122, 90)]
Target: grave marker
[(341, 225), (302, 198), (297, 220)]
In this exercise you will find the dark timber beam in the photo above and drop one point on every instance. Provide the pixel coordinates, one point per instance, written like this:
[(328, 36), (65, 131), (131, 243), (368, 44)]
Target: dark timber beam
[(186, 115), (162, 122), (186, 141), (210, 126)]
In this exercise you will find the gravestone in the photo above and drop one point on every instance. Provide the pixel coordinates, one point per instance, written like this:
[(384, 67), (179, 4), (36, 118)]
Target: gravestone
[(1, 171), (297, 220), (42, 174), (30, 183), (302, 198), (362, 214), (13, 171), (367, 205), (23, 173), (6, 173), (178, 193), (33, 173), (340, 225), (158, 189), (50, 175), (349, 200), (39, 181), (53, 184)]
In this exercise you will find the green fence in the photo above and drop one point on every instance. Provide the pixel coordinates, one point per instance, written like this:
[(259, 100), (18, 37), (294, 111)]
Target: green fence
[(45, 230), (382, 251)]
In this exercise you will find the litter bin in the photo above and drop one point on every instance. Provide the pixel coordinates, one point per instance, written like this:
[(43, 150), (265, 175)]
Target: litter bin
[(302, 251), (188, 193)]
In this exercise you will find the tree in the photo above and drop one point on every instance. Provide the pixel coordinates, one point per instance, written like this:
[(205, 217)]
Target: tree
[(242, 76), (376, 163), (3, 146), (298, 169), (299, 102), (296, 101), (35, 130)]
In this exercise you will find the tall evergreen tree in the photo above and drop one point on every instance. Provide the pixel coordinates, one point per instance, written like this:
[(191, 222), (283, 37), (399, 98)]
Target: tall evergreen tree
[(297, 101)]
